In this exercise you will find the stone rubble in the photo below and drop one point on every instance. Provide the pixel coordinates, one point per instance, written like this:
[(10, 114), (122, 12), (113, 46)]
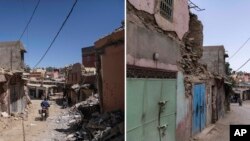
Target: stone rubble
[(4, 114), (87, 124)]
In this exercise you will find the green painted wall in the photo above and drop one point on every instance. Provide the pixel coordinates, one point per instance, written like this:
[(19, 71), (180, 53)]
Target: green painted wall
[(143, 117)]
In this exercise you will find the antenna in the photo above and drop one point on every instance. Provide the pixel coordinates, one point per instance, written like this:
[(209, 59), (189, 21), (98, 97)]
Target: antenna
[(191, 5)]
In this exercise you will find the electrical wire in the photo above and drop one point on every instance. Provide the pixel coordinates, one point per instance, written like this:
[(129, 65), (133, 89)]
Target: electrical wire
[(71, 10), (239, 48), (243, 65), (33, 13)]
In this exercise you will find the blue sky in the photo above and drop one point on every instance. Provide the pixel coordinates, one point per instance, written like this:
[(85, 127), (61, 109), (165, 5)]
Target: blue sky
[(226, 22), (89, 21)]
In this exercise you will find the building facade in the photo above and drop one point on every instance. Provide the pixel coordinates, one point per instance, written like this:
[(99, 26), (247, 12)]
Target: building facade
[(110, 70), (12, 55), (80, 83), (88, 56), (217, 98), (12, 95), (165, 79), (154, 79)]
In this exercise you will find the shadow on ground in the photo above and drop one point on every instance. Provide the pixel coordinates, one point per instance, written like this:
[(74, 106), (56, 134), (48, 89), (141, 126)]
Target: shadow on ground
[(38, 119)]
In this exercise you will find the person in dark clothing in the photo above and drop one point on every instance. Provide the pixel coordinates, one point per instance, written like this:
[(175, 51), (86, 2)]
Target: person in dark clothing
[(45, 104)]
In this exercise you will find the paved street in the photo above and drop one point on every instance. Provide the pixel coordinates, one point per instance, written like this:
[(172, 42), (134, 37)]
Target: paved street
[(237, 115)]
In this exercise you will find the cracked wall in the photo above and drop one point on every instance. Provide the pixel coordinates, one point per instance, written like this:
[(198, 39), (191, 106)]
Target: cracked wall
[(146, 36), (180, 16)]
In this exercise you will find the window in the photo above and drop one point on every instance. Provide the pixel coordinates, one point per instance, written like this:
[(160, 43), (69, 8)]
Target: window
[(166, 9)]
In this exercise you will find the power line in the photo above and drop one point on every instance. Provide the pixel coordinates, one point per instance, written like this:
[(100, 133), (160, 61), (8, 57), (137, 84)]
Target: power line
[(243, 65), (239, 48), (33, 13), (71, 10)]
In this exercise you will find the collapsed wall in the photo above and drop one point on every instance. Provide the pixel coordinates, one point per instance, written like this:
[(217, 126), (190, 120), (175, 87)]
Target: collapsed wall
[(191, 54)]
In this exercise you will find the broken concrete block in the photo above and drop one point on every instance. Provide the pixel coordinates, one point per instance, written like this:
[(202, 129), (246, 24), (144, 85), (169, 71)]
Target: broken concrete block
[(70, 136), (77, 116), (4, 114)]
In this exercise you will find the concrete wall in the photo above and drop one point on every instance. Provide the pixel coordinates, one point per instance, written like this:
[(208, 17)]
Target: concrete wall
[(10, 55), (209, 87), (88, 56), (146, 36), (88, 60), (74, 76), (112, 70), (215, 97), (214, 58), (180, 21), (221, 99), (17, 97), (142, 45), (113, 78), (184, 114)]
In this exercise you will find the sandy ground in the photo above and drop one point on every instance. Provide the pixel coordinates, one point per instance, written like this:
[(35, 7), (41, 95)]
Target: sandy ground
[(237, 115), (34, 129)]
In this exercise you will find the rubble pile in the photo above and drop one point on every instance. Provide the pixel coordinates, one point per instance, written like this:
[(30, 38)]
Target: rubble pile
[(191, 52), (89, 125), (100, 127), (92, 100), (192, 49), (89, 106), (189, 62)]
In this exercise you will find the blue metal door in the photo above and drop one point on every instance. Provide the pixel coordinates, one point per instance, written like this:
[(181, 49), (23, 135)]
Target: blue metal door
[(199, 108)]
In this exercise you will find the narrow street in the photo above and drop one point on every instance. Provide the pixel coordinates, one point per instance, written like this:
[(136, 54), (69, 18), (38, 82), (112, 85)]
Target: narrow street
[(34, 128), (237, 115)]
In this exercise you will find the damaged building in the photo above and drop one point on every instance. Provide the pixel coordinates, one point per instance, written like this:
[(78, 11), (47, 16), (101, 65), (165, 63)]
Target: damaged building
[(80, 83), (101, 116), (88, 57), (216, 96), (12, 97), (110, 70), (168, 95)]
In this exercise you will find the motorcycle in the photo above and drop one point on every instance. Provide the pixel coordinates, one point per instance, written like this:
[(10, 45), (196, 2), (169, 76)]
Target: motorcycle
[(44, 113)]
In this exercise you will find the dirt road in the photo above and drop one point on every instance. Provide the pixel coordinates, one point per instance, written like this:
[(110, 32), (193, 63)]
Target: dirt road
[(34, 128), (237, 115)]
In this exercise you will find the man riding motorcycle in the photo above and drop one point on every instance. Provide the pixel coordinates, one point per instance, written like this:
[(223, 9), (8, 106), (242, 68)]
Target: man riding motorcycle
[(45, 108)]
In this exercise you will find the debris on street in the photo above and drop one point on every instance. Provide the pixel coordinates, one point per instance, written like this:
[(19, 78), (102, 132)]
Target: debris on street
[(4, 114), (86, 123)]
